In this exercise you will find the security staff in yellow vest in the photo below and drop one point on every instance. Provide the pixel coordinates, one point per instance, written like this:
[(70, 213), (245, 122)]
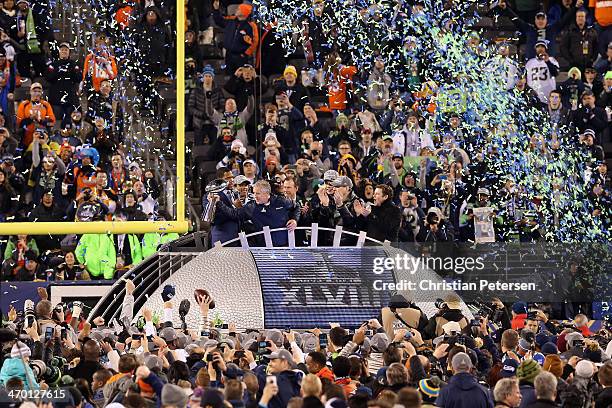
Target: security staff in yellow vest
[(401, 312), (450, 311)]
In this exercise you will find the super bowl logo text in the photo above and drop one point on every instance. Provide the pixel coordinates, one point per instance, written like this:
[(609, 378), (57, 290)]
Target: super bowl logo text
[(329, 293)]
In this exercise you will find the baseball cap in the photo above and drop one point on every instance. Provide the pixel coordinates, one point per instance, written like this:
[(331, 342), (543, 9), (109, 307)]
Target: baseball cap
[(249, 161), (608, 75), (36, 85), (65, 44), (519, 307), (330, 175), (168, 334), (541, 14), (584, 369), (387, 137), (240, 179), (343, 181), (283, 355), (397, 156), (509, 368), (549, 348), (484, 191)]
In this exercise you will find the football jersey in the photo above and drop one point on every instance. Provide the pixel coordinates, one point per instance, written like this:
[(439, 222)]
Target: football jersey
[(539, 77)]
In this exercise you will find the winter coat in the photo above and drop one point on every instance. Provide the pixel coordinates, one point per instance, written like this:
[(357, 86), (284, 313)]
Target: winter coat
[(275, 214), (543, 404), (383, 222), (224, 228), (16, 367), (528, 393), (151, 242), (153, 44), (289, 383), (8, 203), (97, 253), (64, 76), (235, 120), (378, 89), (463, 391), (239, 37), (573, 43), (197, 104)]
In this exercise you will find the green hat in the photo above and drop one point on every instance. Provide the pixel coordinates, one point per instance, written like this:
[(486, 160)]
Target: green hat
[(608, 75), (528, 370)]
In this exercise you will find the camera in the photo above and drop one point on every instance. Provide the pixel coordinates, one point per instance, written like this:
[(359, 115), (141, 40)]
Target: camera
[(30, 317), (532, 315)]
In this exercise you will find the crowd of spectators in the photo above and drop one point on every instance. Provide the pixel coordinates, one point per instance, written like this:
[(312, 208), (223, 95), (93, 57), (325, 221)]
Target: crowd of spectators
[(360, 149), (64, 156), (513, 357)]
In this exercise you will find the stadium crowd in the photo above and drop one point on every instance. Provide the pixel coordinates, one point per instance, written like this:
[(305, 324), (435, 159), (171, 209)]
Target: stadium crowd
[(506, 357), (328, 143), (64, 156)]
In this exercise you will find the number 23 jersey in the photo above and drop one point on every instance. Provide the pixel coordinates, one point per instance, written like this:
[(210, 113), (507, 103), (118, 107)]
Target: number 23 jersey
[(539, 77)]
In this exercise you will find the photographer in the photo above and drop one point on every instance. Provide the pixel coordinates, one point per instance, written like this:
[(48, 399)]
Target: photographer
[(400, 310), (87, 207), (449, 311), (412, 216), (436, 228)]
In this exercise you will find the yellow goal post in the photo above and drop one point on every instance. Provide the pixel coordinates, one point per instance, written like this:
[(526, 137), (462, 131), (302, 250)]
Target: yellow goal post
[(180, 225)]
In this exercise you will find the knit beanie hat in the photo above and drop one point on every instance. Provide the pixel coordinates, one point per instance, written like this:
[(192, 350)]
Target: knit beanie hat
[(208, 70), (584, 369), (20, 350), (528, 370), (554, 365)]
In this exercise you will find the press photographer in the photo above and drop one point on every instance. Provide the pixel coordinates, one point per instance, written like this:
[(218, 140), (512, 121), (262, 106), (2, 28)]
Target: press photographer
[(449, 310)]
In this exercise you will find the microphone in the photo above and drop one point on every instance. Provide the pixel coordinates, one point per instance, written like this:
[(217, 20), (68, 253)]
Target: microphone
[(183, 310)]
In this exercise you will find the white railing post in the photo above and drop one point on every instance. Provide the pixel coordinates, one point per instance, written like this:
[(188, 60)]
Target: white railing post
[(314, 235), (244, 242), (268, 237), (291, 236), (361, 239), (337, 236)]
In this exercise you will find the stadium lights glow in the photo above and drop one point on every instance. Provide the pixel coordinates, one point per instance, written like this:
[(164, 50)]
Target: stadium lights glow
[(180, 225)]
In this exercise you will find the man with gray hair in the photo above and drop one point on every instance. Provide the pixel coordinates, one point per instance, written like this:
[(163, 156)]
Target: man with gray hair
[(266, 210), (545, 385), (463, 389), (507, 393)]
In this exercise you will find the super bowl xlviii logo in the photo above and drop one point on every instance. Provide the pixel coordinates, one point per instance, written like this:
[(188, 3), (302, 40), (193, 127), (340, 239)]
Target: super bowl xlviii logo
[(346, 293)]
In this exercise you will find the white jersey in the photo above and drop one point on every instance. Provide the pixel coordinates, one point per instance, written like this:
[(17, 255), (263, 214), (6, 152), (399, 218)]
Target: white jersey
[(539, 77), (504, 67)]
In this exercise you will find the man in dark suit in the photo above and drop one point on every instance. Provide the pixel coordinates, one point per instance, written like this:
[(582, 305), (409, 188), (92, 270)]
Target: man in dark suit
[(266, 210), (223, 228)]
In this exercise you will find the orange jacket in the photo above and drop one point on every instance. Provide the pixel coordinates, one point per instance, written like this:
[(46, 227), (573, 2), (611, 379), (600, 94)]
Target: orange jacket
[(348, 386), (337, 88), (325, 372), (518, 321), (98, 72), (24, 111), (603, 11)]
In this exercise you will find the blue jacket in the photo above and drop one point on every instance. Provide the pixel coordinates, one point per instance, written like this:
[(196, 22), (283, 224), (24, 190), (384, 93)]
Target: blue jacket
[(224, 228), (234, 32), (289, 383), (463, 391), (275, 214), (550, 34), (528, 393), (16, 367)]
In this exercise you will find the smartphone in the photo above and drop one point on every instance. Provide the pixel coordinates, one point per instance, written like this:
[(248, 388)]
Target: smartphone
[(224, 326), (369, 332), (271, 379), (49, 333), (204, 333), (442, 177), (239, 354), (136, 336), (323, 340), (64, 334)]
